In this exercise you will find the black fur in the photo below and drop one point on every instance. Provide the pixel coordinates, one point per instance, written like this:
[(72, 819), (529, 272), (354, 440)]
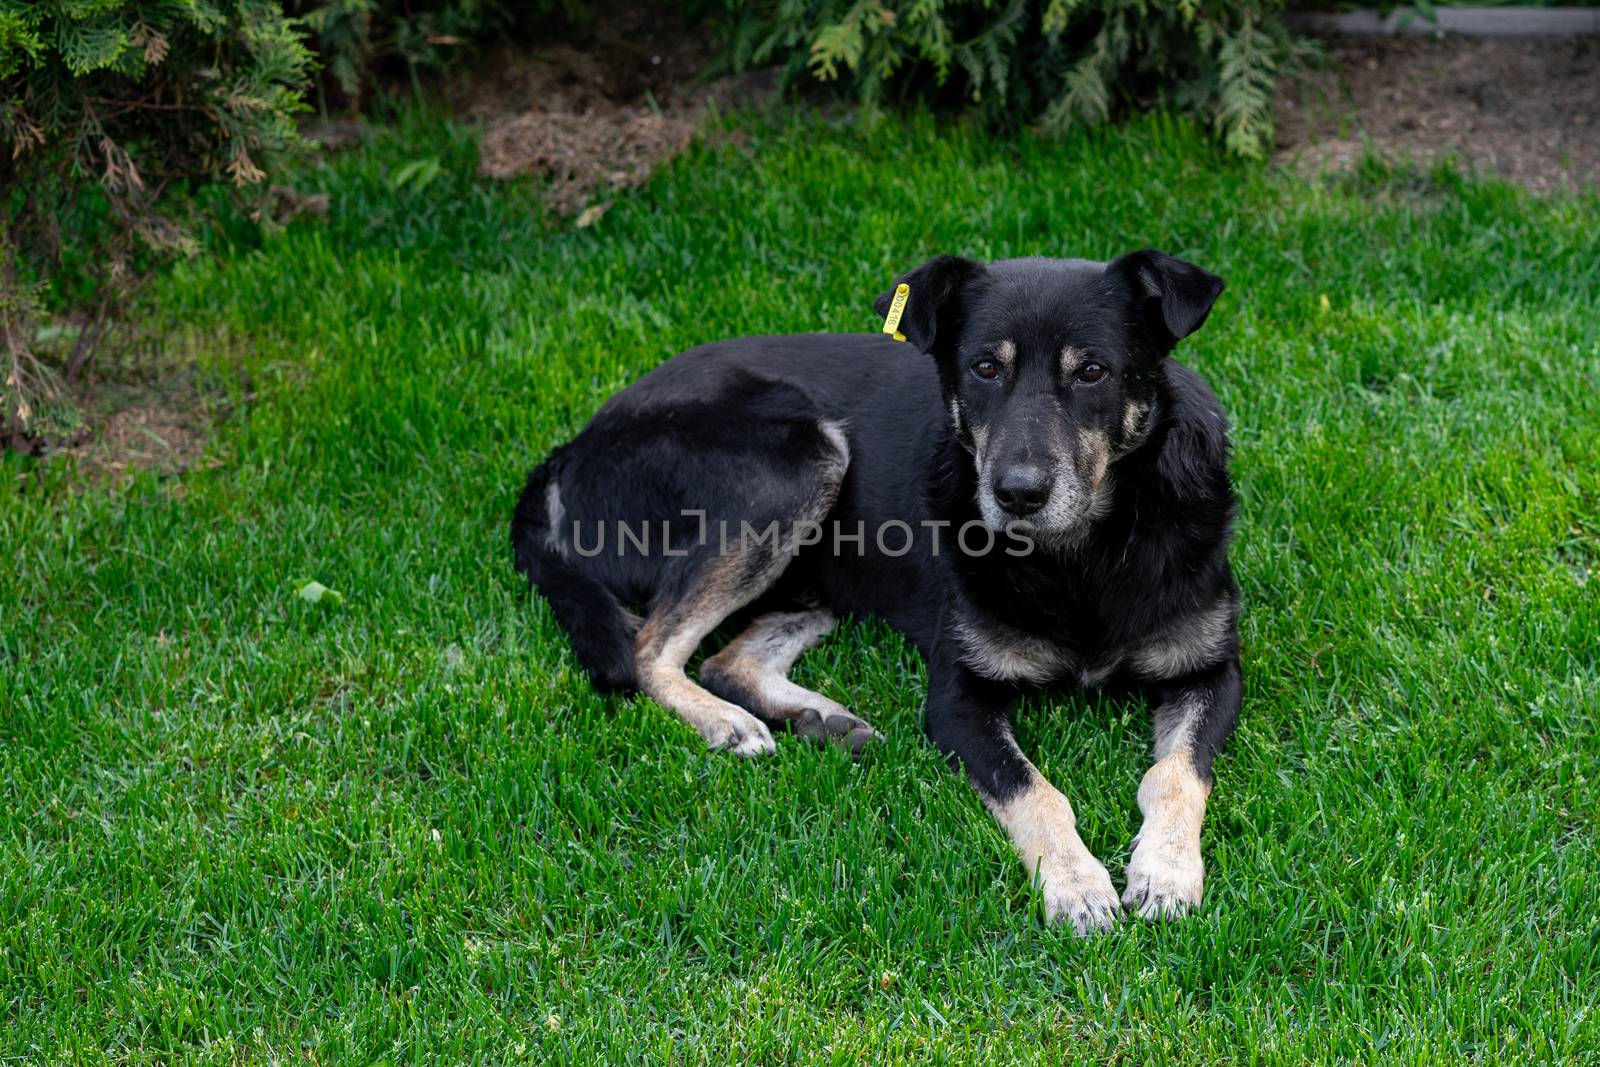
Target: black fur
[(737, 430), (590, 613)]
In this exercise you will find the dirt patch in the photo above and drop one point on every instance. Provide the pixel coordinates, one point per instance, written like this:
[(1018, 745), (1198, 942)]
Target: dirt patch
[(163, 427), (159, 428), (582, 153), (148, 403), (598, 110), (1526, 109)]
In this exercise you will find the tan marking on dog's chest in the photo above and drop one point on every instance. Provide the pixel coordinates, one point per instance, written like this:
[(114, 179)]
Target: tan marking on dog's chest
[(1005, 654), (1188, 644), (1008, 655), (997, 651)]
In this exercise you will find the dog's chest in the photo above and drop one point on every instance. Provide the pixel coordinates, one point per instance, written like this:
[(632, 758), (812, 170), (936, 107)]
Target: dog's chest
[(1170, 647), (1008, 654)]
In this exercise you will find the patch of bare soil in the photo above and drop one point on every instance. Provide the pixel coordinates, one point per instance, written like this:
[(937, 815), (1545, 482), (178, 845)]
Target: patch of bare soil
[(145, 405), (1527, 109), (160, 428), (598, 110)]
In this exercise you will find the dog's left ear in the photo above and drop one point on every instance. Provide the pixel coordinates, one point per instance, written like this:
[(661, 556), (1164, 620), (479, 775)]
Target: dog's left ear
[(1177, 295), (933, 310)]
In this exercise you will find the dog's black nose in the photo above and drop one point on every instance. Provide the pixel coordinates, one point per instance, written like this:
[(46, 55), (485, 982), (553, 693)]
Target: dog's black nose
[(1022, 490)]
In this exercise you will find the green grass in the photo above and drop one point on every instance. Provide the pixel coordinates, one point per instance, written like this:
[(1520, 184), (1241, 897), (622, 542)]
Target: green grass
[(244, 828)]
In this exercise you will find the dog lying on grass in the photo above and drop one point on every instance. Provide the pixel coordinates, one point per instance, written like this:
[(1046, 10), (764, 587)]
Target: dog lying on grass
[(1031, 491)]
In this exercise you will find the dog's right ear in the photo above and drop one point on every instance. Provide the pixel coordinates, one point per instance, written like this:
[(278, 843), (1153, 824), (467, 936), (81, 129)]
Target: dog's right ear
[(933, 309)]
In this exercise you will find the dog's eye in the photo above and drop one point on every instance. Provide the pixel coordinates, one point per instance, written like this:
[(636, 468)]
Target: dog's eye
[(1090, 373), (987, 369)]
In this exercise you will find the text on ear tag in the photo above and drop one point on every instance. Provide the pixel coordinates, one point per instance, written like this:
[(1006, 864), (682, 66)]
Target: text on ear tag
[(897, 308)]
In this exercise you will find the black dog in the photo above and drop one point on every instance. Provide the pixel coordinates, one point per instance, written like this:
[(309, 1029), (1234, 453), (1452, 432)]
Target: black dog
[(1030, 490)]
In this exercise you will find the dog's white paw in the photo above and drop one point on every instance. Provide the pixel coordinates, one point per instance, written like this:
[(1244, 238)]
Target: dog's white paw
[(1164, 883), (1080, 893), (742, 734)]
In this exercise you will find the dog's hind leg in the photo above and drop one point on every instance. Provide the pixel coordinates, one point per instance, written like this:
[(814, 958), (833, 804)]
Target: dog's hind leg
[(786, 501), (753, 671), (670, 636)]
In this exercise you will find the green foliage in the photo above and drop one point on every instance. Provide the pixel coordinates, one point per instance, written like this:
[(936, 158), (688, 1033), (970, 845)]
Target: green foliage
[(1247, 70), (105, 105), (110, 110), (138, 95), (1058, 62), (134, 97)]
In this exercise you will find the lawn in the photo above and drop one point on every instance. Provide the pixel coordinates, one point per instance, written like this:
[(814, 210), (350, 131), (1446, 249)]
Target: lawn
[(397, 827)]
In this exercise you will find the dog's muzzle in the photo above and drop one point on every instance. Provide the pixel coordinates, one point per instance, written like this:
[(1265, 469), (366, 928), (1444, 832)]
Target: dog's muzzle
[(1023, 489)]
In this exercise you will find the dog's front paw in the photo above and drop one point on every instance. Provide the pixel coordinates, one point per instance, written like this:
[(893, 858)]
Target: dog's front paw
[(1164, 883), (1080, 893), (742, 734)]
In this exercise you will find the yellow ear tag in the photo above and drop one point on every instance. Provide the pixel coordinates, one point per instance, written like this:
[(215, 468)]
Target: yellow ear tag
[(897, 308)]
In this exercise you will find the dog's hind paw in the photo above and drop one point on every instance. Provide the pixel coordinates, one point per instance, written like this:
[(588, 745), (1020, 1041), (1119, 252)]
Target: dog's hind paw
[(746, 736), (1164, 884), (855, 734), (1083, 896)]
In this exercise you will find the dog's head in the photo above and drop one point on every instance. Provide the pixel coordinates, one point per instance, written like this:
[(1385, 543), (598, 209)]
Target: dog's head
[(1050, 370)]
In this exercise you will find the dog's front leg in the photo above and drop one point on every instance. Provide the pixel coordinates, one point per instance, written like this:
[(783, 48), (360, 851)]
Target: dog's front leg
[(1193, 717), (969, 720)]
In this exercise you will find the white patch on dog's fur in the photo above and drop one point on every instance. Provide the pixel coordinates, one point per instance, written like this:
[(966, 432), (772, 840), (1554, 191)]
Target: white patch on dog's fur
[(955, 416), (1137, 421), (1093, 458), (1189, 643), (1098, 675), (840, 439), (993, 516), (1166, 874), (980, 451), (1008, 655), (1074, 884), (776, 641), (554, 513)]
